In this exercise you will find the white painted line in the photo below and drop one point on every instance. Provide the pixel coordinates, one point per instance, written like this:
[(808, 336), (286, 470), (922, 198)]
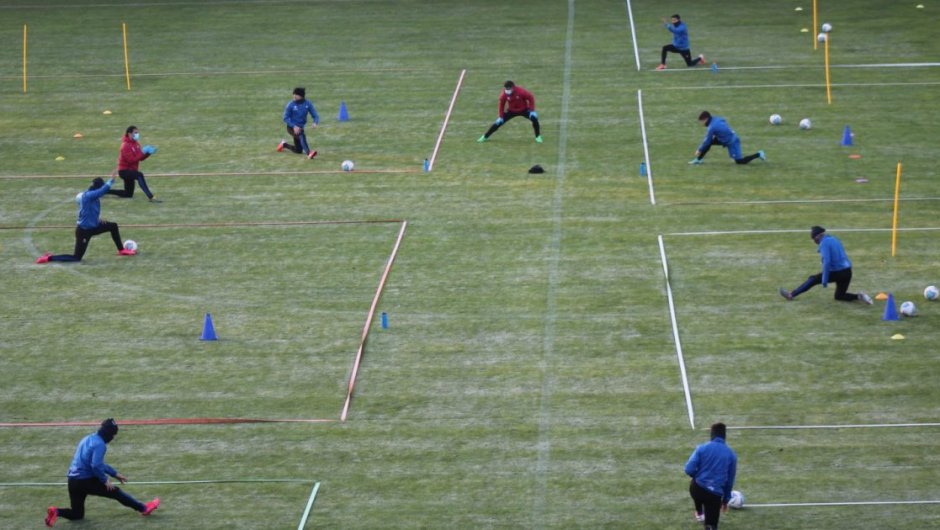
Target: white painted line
[(540, 513), (797, 201), (849, 426), (172, 482), (313, 496), (801, 85), (675, 334), (636, 49), (856, 503), (810, 67), (368, 324), (440, 137), (797, 231), (646, 149)]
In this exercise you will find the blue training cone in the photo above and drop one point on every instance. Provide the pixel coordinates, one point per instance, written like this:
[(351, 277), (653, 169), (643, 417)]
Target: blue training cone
[(846, 137), (343, 113), (208, 330), (891, 310)]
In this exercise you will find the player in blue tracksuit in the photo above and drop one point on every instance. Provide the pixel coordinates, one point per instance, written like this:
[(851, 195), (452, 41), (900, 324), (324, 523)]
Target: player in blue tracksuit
[(712, 466), (720, 133), (90, 223), (836, 268), (89, 475), (295, 117), (680, 43)]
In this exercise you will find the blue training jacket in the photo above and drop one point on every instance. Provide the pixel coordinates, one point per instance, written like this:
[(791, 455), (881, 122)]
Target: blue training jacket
[(680, 35), (88, 461), (713, 466), (833, 256), (89, 205), (295, 113), (718, 132)]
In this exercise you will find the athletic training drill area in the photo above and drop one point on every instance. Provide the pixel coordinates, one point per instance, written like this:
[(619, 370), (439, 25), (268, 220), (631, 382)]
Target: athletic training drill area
[(319, 282)]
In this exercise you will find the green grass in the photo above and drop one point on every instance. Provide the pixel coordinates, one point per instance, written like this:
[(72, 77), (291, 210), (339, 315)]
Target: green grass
[(528, 378)]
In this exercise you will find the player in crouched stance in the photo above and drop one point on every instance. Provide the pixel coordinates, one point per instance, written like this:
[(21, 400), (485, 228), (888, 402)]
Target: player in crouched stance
[(720, 133), (712, 466), (89, 475), (515, 101), (836, 268), (90, 224)]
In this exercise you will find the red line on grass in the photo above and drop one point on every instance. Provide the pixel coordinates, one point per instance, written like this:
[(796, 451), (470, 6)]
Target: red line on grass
[(440, 137), (217, 174), (368, 324), (162, 421)]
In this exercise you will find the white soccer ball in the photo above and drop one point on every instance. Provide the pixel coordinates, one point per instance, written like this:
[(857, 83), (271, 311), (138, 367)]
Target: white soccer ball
[(348, 165), (130, 244), (821, 37), (931, 293), (737, 500), (908, 309), (805, 124), (826, 27), (775, 119)]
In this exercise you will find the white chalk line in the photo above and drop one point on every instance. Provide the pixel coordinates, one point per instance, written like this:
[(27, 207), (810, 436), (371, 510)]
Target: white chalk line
[(847, 503), (450, 109), (636, 49), (805, 67), (551, 310), (675, 334), (189, 3), (803, 85), (796, 231), (835, 426), (171, 482), (313, 496), (646, 148), (797, 201)]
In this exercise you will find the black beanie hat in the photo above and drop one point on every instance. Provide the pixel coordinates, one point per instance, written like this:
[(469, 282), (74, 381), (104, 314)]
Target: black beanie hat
[(300, 91), (108, 429), (815, 231), (97, 183)]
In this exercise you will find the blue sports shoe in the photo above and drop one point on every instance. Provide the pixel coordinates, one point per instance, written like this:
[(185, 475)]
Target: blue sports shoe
[(696, 161)]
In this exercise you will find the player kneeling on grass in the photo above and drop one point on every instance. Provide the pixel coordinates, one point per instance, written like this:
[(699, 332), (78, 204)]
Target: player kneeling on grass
[(720, 133), (295, 116), (836, 268), (88, 475), (90, 224), (515, 101)]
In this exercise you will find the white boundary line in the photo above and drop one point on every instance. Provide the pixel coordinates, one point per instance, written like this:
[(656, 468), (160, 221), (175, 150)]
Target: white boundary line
[(313, 496), (544, 446), (675, 335), (646, 149), (440, 137), (636, 50), (806, 67), (368, 324), (795, 201), (797, 231), (802, 85), (850, 426), (850, 503), (165, 482)]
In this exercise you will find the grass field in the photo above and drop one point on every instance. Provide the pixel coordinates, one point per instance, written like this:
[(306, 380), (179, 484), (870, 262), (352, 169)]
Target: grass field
[(529, 376)]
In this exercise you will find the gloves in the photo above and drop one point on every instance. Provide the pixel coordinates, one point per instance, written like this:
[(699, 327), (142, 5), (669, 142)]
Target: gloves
[(533, 115), (500, 121), (149, 149)]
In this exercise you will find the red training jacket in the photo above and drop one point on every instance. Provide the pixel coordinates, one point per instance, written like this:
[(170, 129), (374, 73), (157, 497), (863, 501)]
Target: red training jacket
[(131, 154), (519, 101)]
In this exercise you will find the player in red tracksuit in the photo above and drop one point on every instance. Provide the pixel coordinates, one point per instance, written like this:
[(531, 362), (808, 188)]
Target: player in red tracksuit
[(129, 162), (515, 101)]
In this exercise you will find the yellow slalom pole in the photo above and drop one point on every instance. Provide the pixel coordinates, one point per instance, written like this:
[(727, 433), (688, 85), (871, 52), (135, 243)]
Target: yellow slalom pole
[(127, 66), (828, 86), (894, 223), (24, 58), (815, 28)]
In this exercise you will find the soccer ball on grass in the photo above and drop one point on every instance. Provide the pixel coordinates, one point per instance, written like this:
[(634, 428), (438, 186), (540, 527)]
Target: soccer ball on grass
[(348, 165), (737, 500), (826, 27), (931, 293), (908, 309), (775, 119), (130, 244), (806, 124)]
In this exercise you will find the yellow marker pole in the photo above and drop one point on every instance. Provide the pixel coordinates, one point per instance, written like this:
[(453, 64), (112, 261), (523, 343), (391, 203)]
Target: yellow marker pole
[(24, 58), (828, 86), (815, 27), (127, 66), (894, 223)]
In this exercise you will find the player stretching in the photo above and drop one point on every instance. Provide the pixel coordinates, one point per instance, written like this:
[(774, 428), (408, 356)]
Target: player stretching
[(515, 101), (720, 133)]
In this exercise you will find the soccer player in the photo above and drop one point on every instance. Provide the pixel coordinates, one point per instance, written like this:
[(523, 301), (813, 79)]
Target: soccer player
[(295, 116), (712, 466), (720, 133), (836, 267), (515, 101), (88, 475), (90, 224), (128, 167), (680, 43)]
